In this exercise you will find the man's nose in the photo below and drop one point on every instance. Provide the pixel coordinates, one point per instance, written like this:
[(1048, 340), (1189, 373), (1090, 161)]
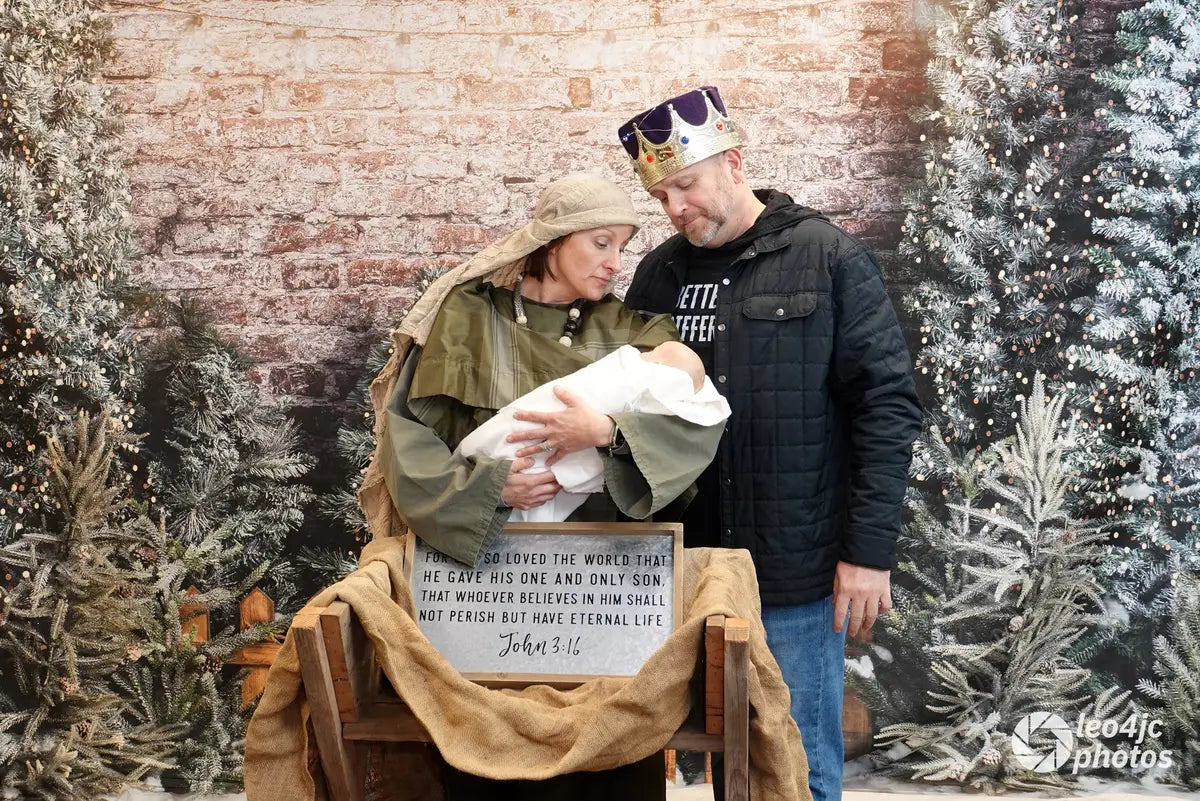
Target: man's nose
[(675, 204)]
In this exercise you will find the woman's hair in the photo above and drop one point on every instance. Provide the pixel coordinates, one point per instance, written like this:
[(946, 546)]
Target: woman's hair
[(537, 263)]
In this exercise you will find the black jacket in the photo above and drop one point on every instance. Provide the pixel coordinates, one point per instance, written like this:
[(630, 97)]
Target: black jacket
[(809, 353)]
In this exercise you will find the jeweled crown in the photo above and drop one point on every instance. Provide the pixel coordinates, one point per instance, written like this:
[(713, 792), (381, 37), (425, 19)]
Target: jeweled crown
[(678, 133)]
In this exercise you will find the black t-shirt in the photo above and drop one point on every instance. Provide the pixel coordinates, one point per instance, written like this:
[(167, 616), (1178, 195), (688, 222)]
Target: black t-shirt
[(695, 317)]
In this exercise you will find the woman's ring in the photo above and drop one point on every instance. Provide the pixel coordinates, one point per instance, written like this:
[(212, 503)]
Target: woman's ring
[(547, 447)]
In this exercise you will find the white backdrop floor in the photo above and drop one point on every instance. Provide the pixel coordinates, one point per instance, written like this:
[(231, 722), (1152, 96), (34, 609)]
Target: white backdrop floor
[(895, 791)]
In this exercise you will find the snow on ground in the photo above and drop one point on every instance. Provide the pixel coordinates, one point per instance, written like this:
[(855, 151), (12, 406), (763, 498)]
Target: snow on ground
[(861, 784)]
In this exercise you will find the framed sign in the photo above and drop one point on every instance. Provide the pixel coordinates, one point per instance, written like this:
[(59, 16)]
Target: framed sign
[(556, 603)]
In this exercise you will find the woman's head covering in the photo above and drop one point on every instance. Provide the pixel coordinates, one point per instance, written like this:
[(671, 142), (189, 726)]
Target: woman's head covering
[(577, 202)]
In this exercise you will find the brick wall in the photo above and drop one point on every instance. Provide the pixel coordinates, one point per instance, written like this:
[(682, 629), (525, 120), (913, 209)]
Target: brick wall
[(294, 163)]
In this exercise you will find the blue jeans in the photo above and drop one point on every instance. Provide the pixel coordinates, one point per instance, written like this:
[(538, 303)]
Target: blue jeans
[(811, 655)]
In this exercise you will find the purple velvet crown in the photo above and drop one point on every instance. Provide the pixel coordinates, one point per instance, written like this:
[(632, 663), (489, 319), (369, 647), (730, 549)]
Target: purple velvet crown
[(655, 124), (678, 133)]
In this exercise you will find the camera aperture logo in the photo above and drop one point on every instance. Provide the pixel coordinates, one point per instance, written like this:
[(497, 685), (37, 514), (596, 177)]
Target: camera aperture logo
[(1043, 742), (1032, 758)]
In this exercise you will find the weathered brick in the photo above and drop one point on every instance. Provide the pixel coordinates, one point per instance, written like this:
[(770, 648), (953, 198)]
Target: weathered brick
[(828, 198), (804, 167), (247, 132), (302, 273), (214, 236), (298, 175), (154, 202), (376, 92), (899, 92), (805, 58), (884, 164), (351, 310), (333, 237), (904, 55), (298, 379), (880, 231), (140, 62), (539, 93), (579, 90), (883, 17), (395, 272)]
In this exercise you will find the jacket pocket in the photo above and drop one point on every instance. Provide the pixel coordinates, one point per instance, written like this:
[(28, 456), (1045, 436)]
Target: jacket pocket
[(780, 307)]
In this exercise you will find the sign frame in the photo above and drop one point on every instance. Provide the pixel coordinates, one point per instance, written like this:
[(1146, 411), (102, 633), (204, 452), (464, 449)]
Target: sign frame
[(633, 528)]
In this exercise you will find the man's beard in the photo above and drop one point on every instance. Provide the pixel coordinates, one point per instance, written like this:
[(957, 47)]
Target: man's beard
[(709, 233)]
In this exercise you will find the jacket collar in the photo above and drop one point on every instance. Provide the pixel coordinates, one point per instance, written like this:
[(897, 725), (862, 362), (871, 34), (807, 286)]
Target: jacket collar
[(772, 240)]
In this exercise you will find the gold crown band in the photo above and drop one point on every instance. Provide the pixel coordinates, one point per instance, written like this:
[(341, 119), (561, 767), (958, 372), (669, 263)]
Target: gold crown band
[(686, 145)]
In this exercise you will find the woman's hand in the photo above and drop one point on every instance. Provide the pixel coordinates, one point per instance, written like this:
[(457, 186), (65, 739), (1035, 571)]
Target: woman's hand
[(574, 428), (527, 490)]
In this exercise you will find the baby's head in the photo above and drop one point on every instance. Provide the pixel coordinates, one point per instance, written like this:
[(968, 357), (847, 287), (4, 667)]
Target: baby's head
[(681, 357)]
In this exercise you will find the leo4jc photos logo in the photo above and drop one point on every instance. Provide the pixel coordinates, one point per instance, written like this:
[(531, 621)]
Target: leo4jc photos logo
[(1043, 742)]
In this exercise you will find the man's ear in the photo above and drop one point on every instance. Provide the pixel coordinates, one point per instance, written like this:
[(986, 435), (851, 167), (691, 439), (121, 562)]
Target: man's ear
[(733, 160)]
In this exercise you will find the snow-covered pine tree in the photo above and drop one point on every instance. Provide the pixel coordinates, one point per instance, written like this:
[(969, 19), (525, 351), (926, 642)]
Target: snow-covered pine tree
[(71, 605), (1176, 693), (898, 683), (64, 280), (1029, 592), (232, 496), (183, 685), (992, 227), (80, 610), (1143, 326), (231, 466), (1007, 161)]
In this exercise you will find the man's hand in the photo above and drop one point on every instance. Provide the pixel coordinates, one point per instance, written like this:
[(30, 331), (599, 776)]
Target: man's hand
[(574, 428), (864, 592), (528, 490)]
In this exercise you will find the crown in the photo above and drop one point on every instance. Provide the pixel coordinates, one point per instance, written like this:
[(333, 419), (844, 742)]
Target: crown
[(685, 143)]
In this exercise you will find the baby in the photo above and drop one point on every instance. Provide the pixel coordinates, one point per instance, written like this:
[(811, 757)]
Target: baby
[(669, 379)]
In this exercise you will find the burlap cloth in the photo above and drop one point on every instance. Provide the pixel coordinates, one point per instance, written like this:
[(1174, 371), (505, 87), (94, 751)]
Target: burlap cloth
[(537, 732)]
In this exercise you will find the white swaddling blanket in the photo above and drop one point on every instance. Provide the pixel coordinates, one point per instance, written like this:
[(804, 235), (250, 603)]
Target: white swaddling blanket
[(620, 382)]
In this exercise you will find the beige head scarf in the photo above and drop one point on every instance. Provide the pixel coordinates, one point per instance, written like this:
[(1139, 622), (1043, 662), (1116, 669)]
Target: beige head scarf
[(577, 202)]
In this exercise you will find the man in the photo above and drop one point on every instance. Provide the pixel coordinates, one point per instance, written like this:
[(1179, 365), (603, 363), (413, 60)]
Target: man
[(792, 320)]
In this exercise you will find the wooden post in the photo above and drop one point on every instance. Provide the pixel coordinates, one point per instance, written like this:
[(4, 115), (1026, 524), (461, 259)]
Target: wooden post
[(714, 671), (255, 608), (858, 738), (737, 710), (193, 618), (340, 761)]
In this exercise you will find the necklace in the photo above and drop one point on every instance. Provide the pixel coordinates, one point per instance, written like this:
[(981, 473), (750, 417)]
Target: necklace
[(574, 313)]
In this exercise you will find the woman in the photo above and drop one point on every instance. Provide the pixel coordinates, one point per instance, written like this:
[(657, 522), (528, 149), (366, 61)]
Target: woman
[(526, 310)]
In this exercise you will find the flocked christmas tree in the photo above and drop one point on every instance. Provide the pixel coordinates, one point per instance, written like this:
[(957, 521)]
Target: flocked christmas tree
[(73, 599), (231, 464), (64, 344), (232, 496), (1143, 326), (1175, 689), (995, 225), (1028, 592), (81, 609)]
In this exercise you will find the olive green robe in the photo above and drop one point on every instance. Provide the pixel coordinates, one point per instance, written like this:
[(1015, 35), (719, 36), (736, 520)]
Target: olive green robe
[(476, 360)]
